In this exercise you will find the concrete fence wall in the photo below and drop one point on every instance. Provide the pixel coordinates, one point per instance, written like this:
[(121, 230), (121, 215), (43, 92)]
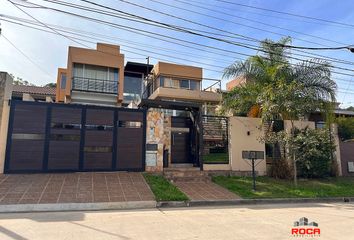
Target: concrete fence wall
[(5, 96)]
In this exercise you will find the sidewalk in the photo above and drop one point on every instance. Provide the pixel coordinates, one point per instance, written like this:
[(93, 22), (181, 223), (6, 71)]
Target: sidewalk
[(73, 188)]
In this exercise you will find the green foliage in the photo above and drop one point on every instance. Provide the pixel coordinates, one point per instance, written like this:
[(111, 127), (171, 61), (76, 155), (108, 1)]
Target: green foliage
[(345, 128), (277, 188), (20, 81), (163, 189), (314, 151), (52, 85), (282, 90)]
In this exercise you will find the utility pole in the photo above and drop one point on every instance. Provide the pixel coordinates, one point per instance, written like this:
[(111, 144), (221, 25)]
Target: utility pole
[(147, 65)]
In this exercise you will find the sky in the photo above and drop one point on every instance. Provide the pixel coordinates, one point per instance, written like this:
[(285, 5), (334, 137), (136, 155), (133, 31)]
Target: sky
[(48, 51)]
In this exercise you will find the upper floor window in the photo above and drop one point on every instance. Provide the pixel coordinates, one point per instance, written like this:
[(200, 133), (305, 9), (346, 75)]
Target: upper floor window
[(133, 87), (178, 83), (94, 78), (63, 81)]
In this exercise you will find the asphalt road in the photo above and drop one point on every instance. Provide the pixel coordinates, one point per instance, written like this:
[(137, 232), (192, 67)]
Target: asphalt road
[(336, 221)]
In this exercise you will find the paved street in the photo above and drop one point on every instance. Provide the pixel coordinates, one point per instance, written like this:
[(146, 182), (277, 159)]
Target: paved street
[(244, 222)]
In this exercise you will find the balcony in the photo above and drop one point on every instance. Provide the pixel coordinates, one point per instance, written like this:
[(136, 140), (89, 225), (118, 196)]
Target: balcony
[(94, 85), (182, 90)]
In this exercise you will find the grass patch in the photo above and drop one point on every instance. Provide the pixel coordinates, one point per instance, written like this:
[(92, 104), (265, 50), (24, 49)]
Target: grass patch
[(163, 189), (278, 188), (216, 158)]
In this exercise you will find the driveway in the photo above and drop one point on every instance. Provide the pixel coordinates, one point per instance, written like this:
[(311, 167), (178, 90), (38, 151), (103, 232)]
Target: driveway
[(73, 188), (269, 222)]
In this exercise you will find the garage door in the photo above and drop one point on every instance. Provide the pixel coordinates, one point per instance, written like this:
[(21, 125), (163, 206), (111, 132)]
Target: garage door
[(49, 137)]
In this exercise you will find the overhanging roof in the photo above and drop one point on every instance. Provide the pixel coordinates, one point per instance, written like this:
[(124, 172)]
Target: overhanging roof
[(138, 67), (187, 106)]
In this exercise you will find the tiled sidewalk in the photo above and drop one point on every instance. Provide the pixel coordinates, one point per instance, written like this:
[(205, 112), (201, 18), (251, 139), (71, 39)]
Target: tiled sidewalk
[(206, 191), (73, 188)]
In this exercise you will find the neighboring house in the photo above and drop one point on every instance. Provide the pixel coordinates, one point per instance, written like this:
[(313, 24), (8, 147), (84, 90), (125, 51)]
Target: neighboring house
[(33, 93), (239, 81)]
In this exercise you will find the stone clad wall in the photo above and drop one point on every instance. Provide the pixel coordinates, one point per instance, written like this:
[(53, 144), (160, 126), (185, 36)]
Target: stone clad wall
[(158, 131)]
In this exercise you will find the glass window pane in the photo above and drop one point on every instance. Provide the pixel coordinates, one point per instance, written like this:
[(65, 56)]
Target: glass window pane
[(78, 70), (132, 87), (168, 82), (63, 81), (194, 85), (175, 83), (162, 80), (184, 84)]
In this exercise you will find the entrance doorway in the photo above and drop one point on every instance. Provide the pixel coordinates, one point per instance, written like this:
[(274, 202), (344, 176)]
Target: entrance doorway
[(181, 140)]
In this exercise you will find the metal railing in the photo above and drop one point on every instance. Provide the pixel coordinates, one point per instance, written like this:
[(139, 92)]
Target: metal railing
[(94, 85)]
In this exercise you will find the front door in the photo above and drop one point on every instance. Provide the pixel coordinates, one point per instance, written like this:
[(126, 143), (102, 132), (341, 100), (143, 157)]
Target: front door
[(180, 147)]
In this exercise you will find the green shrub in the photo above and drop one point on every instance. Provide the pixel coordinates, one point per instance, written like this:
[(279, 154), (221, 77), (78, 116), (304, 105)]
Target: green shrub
[(314, 153), (345, 128)]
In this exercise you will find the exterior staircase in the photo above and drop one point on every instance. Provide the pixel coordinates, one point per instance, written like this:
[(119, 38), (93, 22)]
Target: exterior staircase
[(186, 174)]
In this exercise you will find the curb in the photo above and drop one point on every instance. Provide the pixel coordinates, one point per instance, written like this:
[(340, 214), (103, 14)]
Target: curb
[(61, 207), (202, 203)]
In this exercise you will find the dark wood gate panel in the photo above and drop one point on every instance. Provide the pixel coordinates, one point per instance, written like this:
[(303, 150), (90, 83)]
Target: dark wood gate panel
[(64, 143), (181, 142), (130, 140), (27, 138), (98, 139), (50, 137)]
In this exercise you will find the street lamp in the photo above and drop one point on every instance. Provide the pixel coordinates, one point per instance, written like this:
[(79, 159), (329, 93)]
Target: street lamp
[(351, 49)]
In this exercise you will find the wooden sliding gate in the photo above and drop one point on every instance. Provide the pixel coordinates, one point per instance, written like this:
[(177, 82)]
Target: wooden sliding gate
[(50, 137)]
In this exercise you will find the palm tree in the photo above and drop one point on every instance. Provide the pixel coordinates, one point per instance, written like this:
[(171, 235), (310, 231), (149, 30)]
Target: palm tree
[(269, 75), (278, 89)]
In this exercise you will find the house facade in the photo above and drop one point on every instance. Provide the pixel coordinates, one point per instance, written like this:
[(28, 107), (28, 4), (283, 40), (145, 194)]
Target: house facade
[(112, 115)]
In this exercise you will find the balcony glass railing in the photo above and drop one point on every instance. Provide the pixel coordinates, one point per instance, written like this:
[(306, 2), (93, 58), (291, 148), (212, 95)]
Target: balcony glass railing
[(94, 85)]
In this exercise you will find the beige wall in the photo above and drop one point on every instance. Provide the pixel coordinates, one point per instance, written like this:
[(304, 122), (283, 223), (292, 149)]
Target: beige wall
[(245, 134), (5, 96), (106, 55), (175, 70)]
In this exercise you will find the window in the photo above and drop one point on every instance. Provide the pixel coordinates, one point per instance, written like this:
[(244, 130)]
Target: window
[(184, 84), (94, 78), (194, 85), (178, 83), (162, 81), (63, 81), (133, 87)]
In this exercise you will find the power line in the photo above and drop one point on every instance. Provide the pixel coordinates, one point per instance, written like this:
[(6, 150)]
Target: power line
[(198, 34), (259, 22), (262, 14), (189, 42), (213, 79), (25, 55), (216, 48), (286, 13)]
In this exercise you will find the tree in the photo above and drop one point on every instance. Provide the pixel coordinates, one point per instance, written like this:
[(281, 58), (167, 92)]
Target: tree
[(20, 81), (279, 89), (51, 85), (351, 108)]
